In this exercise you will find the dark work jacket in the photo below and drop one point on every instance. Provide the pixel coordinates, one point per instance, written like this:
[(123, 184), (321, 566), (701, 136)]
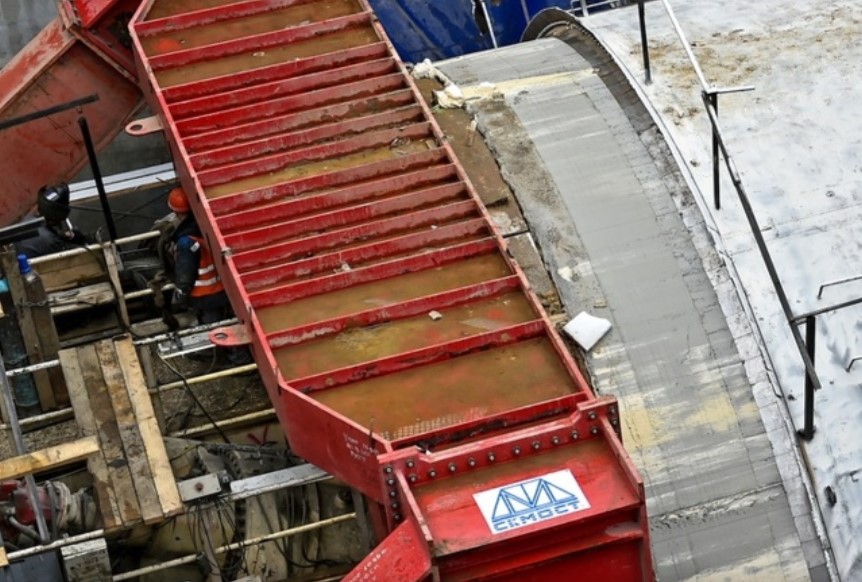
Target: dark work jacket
[(47, 241)]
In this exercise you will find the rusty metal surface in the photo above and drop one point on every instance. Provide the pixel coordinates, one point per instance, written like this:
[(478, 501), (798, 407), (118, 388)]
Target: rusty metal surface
[(55, 68), (383, 309)]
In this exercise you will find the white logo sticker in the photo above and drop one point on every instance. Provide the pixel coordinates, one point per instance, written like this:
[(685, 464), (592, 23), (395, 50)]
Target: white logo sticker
[(531, 501)]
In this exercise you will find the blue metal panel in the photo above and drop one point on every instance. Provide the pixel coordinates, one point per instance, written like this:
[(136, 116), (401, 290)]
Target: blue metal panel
[(43, 567), (432, 30), (437, 30)]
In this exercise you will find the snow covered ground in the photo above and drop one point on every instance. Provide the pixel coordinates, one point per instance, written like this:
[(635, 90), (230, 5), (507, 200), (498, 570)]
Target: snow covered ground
[(796, 142)]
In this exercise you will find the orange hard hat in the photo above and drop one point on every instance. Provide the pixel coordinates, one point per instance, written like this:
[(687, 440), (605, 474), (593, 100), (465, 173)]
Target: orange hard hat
[(178, 201)]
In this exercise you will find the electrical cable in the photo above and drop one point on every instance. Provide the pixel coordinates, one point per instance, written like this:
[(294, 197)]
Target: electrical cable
[(196, 399)]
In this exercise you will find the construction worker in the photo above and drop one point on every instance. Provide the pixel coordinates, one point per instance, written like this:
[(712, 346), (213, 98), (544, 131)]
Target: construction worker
[(198, 286), (57, 234)]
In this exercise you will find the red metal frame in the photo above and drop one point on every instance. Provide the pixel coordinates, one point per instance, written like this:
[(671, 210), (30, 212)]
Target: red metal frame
[(340, 212)]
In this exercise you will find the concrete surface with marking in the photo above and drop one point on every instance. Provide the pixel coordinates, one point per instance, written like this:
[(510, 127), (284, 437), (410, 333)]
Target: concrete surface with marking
[(623, 240)]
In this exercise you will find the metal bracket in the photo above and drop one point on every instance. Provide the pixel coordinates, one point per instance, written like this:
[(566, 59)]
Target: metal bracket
[(145, 126)]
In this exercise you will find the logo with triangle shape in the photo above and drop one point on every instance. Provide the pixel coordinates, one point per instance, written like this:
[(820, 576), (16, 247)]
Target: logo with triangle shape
[(531, 501)]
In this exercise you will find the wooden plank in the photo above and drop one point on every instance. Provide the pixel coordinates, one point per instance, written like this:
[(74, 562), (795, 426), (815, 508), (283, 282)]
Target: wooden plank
[(68, 272), (118, 466), (9, 261), (166, 483), (50, 458), (111, 264), (49, 342), (133, 444), (81, 298), (105, 495)]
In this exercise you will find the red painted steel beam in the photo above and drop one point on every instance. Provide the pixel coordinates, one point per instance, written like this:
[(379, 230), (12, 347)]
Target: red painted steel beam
[(212, 15), (259, 196), (55, 67), (267, 234), (401, 557), (256, 42), (291, 103), (283, 87), (332, 379), (402, 310), (277, 143), (355, 193), (88, 12), (358, 255), (385, 270), (463, 433), (278, 183), (292, 121), (326, 151), (295, 68), (379, 228)]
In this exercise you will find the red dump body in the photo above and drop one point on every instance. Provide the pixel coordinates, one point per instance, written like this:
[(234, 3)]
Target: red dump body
[(69, 60), (400, 344)]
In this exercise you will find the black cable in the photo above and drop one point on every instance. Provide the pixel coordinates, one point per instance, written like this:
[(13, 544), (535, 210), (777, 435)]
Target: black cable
[(196, 399)]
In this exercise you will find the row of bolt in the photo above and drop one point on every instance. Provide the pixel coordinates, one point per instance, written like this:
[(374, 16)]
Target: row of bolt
[(492, 457), (472, 463)]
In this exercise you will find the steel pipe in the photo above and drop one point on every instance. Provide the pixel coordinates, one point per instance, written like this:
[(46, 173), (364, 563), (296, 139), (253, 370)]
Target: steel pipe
[(94, 247), (207, 377), (32, 368), (20, 448), (192, 558), (40, 418), (90, 535), (203, 429)]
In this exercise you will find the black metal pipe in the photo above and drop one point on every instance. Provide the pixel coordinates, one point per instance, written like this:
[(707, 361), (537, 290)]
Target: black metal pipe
[(6, 124), (97, 177), (716, 169), (761, 246), (843, 305), (644, 46), (807, 431)]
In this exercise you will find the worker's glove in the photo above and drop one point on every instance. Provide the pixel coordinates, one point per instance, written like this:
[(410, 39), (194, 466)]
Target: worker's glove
[(180, 300), (78, 237)]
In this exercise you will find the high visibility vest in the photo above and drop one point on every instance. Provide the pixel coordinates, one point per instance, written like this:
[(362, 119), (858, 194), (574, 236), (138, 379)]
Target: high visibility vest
[(207, 281)]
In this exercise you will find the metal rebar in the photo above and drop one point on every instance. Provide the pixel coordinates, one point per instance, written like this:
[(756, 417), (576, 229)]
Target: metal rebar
[(192, 558), (40, 418), (685, 45), (146, 292), (203, 429), (90, 535), (207, 377), (94, 247), (836, 282), (807, 431), (20, 448), (489, 21), (32, 368), (716, 161), (764, 250), (97, 177), (822, 310), (644, 45)]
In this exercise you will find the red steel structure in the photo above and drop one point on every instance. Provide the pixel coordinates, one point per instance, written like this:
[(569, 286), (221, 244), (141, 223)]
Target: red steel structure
[(399, 342), (85, 51)]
